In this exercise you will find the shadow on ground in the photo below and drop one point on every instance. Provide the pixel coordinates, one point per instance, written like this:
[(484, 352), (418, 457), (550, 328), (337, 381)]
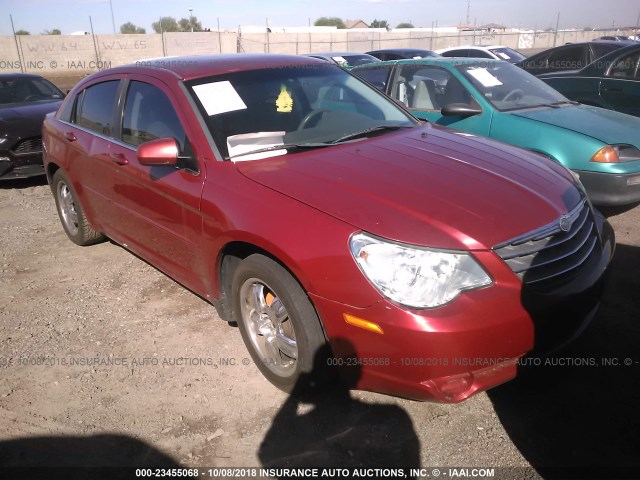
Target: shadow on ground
[(576, 414), (92, 457), (331, 429), (22, 183)]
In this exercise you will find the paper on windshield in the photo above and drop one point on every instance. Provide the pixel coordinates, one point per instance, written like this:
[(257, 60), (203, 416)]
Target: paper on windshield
[(484, 77), (248, 142), (339, 59), (219, 97), (503, 55)]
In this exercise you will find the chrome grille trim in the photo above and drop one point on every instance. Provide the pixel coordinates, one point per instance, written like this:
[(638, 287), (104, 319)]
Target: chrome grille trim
[(549, 252)]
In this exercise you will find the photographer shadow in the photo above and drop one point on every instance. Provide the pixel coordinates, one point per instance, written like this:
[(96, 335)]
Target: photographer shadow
[(324, 426), (574, 414), (106, 456)]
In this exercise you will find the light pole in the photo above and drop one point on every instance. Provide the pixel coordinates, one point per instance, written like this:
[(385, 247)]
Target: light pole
[(191, 18), (113, 21)]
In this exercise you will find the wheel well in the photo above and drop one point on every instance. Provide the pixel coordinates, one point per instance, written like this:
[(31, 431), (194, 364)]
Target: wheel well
[(52, 168), (232, 254), (230, 257)]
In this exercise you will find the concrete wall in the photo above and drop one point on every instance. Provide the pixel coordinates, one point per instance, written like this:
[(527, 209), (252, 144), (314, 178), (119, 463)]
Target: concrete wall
[(68, 54)]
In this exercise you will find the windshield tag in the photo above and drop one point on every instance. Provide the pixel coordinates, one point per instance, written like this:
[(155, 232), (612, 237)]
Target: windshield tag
[(484, 77), (219, 97)]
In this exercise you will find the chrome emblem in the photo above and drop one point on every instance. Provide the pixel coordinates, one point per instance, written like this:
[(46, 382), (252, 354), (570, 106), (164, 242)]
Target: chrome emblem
[(565, 223)]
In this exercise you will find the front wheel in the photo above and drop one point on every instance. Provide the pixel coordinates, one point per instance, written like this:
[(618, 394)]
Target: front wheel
[(278, 323), (71, 214)]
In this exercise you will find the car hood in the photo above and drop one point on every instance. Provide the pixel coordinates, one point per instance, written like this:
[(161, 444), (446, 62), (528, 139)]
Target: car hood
[(425, 186), (25, 120), (608, 126)]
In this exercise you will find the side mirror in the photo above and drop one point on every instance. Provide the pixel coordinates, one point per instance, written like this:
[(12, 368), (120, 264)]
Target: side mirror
[(460, 110), (163, 151)]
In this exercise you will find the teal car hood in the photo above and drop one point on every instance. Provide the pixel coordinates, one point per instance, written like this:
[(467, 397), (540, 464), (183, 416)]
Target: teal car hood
[(605, 125)]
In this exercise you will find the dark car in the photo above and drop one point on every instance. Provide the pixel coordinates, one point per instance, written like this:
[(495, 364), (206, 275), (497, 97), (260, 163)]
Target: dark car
[(331, 225), (402, 53), (24, 102), (573, 56), (344, 59), (612, 81)]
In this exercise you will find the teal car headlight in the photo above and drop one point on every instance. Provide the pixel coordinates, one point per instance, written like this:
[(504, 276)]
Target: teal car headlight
[(414, 276), (616, 154)]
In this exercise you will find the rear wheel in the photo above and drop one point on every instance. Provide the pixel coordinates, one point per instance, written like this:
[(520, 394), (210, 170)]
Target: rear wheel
[(71, 214), (278, 323)]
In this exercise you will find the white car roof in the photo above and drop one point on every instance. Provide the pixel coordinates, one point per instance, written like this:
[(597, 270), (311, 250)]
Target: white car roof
[(479, 47)]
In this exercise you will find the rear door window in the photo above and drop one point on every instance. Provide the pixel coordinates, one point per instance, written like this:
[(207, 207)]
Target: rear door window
[(625, 67), (95, 111), (570, 58)]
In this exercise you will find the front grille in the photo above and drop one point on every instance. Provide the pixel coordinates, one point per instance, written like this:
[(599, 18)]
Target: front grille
[(28, 145), (550, 254)]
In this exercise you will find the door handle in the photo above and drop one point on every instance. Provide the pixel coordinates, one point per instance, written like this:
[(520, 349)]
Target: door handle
[(612, 89), (70, 136), (118, 158)]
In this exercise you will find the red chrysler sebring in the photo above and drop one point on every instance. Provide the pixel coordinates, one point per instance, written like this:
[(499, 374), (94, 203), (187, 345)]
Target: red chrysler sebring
[(316, 213)]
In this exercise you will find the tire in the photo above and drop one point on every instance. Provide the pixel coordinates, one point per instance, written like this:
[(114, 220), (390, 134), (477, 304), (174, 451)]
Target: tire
[(71, 214), (279, 325)]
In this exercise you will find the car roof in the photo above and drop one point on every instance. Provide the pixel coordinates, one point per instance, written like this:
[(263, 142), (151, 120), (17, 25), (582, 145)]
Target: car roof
[(394, 50), (438, 61), (472, 46), (333, 54), (199, 66)]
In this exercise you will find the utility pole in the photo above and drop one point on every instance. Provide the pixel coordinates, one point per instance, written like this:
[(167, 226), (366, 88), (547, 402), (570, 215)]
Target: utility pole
[(555, 35), (113, 21), (468, 8)]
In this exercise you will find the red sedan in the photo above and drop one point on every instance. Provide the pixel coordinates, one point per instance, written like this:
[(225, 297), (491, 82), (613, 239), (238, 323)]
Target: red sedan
[(334, 228)]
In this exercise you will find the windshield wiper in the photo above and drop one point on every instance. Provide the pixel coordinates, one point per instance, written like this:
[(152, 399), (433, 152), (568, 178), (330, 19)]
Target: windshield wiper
[(284, 146), (364, 133)]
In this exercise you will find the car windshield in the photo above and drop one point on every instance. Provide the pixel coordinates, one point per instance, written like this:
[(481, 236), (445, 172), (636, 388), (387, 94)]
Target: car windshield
[(508, 87), (507, 54), (27, 90), (289, 108)]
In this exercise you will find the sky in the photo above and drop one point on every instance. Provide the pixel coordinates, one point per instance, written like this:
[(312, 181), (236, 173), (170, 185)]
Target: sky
[(36, 16)]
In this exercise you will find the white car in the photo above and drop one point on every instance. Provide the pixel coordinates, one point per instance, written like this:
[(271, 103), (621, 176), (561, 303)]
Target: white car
[(498, 52)]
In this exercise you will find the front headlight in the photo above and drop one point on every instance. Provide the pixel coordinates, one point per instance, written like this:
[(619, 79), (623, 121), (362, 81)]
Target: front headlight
[(616, 153), (415, 276)]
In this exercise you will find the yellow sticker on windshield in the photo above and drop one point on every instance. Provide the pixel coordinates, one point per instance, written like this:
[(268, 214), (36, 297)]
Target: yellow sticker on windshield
[(284, 102)]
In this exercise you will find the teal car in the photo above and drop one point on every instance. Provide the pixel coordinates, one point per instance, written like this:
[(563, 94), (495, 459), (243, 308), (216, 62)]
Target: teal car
[(495, 99)]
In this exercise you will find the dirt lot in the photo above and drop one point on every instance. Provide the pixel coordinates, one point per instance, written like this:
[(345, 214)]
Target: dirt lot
[(184, 391)]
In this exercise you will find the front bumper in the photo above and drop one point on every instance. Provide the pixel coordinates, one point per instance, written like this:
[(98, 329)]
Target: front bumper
[(611, 189), (473, 343)]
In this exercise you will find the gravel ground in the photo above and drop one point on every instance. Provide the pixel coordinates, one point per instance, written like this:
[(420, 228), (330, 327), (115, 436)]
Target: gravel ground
[(106, 361)]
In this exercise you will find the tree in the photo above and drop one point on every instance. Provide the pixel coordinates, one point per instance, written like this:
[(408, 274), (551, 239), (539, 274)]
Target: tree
[(131, 28), (55, 31), (329, 22), (22, 32), (165, 24), (379, 24), (404, 25), (191, 24)]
